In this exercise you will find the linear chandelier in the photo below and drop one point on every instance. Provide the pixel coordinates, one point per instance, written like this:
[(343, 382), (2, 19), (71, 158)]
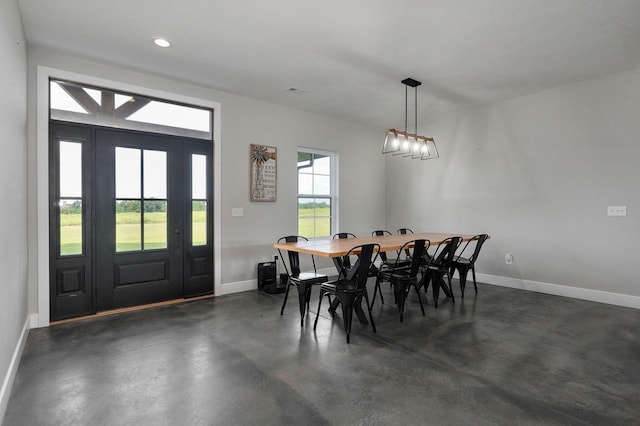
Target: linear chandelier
[(405, 144)]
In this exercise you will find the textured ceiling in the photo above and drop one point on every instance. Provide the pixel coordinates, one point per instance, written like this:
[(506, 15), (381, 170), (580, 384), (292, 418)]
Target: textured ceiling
[(350, 56)]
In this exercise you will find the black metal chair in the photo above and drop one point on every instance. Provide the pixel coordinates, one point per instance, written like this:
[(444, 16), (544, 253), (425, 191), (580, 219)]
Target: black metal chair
[(436, 267), (405, 231), (343, 235), (344, 260), (351, 286), (464, 264), (387, 262), (403, 276), (302, 280)]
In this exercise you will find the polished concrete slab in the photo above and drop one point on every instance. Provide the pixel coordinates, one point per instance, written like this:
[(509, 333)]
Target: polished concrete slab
[(503, 357)]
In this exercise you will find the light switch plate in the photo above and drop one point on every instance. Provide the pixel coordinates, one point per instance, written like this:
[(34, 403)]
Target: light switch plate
[(237, 211), (616, 210)]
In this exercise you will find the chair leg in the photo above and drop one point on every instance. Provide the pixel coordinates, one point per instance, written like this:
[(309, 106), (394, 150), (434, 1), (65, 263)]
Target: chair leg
[(286, 295), (462, 275), (453, 299), (376, 288), (373, 325), (419, 298), (400, 292), (347, 313), (473, 271), (315, 323), (436, 289), (303, 288)]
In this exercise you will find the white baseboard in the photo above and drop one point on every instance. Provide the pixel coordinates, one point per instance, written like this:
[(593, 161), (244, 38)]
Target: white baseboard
[(236, 287), (7, 384), (562, 290)]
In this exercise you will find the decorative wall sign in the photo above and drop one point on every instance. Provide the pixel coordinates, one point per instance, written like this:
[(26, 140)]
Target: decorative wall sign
[(263, 173)]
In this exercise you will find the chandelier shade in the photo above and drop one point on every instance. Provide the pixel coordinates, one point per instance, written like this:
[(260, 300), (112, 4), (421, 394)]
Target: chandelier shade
[(410, 145)]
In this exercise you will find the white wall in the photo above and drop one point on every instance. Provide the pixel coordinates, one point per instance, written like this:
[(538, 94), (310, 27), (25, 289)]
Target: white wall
[(537, 173), (247, 240), (13, 187)]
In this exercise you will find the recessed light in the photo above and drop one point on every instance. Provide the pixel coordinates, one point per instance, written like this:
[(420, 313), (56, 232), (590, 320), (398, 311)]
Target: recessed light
[(161, 42)]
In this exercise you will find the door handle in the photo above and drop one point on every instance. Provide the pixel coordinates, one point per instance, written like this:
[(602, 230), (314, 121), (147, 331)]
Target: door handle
[(177, 231)]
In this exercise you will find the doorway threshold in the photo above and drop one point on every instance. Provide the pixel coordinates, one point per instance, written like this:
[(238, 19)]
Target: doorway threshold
[(130, 309)]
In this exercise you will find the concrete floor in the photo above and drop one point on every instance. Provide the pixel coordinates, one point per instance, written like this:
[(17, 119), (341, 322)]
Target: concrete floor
[(504, 357)]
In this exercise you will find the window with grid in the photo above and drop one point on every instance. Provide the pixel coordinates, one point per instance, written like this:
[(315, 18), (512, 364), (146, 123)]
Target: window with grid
[(316, 203)]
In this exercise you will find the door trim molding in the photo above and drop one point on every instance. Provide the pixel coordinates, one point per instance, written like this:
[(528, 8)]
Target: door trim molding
[(42, 171)]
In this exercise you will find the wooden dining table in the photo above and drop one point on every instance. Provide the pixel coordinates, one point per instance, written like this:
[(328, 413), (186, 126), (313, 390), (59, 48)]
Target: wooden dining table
[(338, 247)]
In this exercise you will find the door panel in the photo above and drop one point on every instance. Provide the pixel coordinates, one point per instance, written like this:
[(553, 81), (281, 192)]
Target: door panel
[(132, 270)]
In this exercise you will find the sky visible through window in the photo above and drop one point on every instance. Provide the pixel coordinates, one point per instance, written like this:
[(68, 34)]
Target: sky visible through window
[(155, 112)]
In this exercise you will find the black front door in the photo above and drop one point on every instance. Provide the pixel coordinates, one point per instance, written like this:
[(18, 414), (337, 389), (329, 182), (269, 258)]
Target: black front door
[(146, 222)]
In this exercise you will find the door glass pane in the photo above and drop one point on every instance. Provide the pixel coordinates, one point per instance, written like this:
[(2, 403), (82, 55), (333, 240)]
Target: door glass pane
[(155, 224), (199, 223), (70, 221), (127, 173), (199, 176), (155, 174), (128, 225), (70, 169)]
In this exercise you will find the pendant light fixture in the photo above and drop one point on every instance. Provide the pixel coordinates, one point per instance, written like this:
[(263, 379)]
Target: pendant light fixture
[(405, 144)]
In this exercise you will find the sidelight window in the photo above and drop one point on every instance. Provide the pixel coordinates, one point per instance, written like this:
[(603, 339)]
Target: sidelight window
[(198, 200), (70, 212)]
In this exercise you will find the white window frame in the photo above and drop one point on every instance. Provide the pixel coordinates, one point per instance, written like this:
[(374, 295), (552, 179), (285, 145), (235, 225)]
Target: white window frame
[(333, 196)]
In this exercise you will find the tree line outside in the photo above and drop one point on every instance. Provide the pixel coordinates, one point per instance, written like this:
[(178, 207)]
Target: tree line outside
[(128, 225)]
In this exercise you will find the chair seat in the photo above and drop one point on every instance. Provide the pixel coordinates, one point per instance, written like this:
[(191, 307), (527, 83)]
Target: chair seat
[(344, 286), (461, 261), (405, 271), (310, 278), (434, 268)]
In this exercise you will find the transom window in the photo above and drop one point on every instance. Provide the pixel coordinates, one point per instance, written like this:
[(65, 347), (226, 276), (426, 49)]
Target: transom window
[(104, 107), (316, 193)]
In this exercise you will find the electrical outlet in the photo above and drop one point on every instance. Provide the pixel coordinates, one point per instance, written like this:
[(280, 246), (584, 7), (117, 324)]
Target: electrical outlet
[(508, 259), (616, 210)]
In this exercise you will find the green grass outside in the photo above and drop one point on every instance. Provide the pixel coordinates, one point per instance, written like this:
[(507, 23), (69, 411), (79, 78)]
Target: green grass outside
[(308, 227), (128, 231)]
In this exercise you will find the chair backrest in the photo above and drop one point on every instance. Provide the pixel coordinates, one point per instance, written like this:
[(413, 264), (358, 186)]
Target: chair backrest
[(365, 259), (294, 258), (344, 235), (380, 233), (345, 261), (419, 248), (479, 241), (445, 252), (403, 231)]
